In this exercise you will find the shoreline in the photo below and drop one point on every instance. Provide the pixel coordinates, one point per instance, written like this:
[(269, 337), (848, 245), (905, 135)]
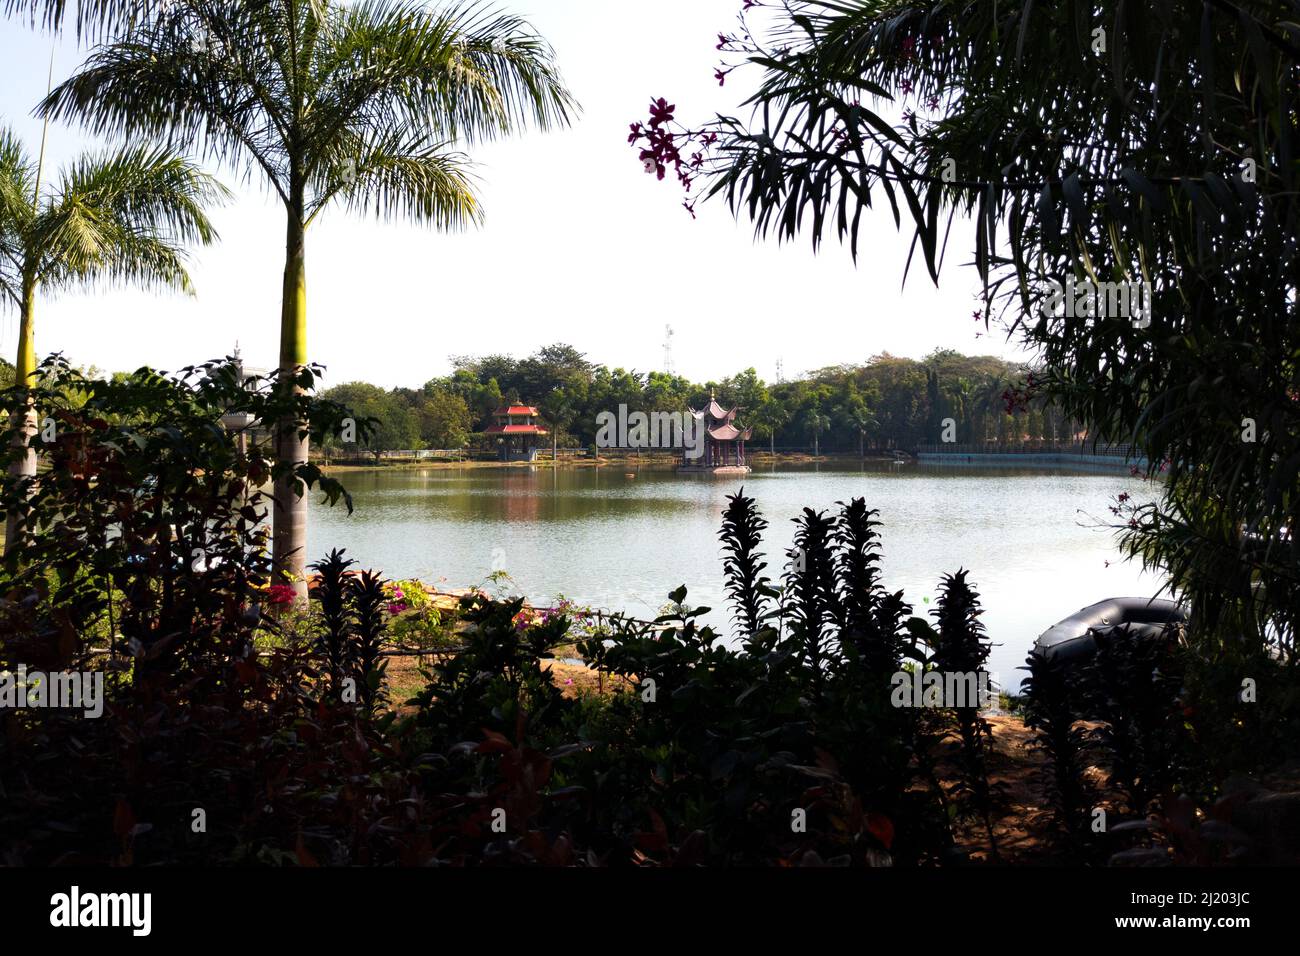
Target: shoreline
[(580, 463)]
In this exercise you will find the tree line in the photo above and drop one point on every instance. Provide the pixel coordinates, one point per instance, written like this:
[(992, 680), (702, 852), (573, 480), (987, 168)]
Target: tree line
[(885, 402)]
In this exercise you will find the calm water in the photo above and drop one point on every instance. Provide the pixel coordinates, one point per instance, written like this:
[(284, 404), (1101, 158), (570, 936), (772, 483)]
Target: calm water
[(607, 539)]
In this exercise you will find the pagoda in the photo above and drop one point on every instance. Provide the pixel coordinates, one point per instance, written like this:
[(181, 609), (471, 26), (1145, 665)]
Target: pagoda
[(724, 442), (516, 432)]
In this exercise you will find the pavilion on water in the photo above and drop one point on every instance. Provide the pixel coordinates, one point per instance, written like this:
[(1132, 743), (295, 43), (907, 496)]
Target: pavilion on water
[(517, 432), (724, 442)]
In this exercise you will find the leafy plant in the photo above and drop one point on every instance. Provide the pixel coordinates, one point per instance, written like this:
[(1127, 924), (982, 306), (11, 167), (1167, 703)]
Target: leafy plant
[(331, 591), (961, 648), (369, 627), (151, 515), (1050, 710), (743, 565)]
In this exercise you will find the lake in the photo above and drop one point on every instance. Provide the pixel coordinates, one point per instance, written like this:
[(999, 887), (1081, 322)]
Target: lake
[(622, 540)]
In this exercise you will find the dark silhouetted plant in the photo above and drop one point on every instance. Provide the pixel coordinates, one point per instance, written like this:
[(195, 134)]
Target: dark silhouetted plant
[(811, 602), (1049, 711), (334, 628), (749, 589), (1133, 685), (869, 619), (369, 630), (961, 649)]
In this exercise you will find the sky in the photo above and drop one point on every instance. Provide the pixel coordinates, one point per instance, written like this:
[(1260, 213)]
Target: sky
[(580, 245)]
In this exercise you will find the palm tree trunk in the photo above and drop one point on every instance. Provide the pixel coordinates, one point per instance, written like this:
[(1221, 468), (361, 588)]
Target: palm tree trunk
[(290, 512), (24, 465)]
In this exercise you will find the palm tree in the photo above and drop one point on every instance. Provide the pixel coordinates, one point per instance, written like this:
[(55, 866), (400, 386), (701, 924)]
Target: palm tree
[(817, 422), (861, 418), (855, 410), (559, 412), (123, 215), (770, 416), (364, 104)]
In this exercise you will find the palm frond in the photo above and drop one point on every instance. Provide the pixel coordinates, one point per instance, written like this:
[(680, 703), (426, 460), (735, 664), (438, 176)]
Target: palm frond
[(286, 87), (124, 216), (502, 74), (17, 196), (201, 76), (394, 175), (90, 18)]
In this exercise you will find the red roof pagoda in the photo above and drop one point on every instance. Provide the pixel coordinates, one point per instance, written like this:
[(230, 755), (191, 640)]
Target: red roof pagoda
[(515, 426)]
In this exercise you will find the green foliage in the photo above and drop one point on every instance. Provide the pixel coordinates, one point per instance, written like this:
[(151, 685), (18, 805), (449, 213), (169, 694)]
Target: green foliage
[(1116, 143), (416, 620), (882, 403), (397, 426), (445, 420), (149, 497)]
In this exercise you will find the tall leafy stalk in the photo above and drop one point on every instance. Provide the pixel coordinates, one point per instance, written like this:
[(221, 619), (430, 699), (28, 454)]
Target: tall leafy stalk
[(749, 589)]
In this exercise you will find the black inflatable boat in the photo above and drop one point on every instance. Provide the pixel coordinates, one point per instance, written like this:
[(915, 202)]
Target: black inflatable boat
[(1072, 640)]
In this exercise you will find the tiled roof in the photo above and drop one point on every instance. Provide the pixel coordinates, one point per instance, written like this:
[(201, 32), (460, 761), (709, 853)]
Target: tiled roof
[(514, 430)]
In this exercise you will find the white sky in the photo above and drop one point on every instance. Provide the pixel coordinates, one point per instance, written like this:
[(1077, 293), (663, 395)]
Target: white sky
[(580, 245)]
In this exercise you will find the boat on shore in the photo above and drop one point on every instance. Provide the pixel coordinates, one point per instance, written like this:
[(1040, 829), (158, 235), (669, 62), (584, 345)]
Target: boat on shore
[(1074, 639)]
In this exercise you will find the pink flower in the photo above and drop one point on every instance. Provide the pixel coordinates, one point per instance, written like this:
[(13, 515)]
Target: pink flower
[(280, 594), (661, 111)]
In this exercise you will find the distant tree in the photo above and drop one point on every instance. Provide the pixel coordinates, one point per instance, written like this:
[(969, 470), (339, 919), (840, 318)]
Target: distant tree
[(445, 420), (769, 417), (558, 410), (816, 421), (857, 414), (744, 390), (398, 426)]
